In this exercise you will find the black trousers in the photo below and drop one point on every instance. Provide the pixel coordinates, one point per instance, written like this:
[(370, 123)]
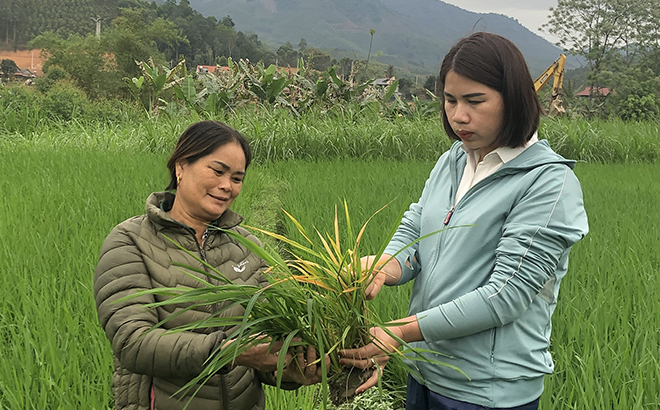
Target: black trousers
[(421, 398)]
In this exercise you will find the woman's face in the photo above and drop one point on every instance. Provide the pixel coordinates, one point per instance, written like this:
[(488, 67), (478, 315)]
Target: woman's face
[(475, 112), (208, 186)]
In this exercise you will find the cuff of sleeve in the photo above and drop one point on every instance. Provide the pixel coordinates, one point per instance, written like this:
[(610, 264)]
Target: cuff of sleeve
[(270, 379), (406, 261), (220, 337), (461, 317)]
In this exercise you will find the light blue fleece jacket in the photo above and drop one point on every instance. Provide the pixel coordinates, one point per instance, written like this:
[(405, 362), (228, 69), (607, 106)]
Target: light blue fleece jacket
[(484, 294)]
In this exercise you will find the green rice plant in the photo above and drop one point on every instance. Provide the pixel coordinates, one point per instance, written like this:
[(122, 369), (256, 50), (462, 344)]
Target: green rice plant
[(65, 185), (606, 329)]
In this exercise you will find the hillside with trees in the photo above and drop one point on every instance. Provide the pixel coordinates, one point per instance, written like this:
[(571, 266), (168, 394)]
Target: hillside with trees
[(22, 20), (175, 27), (410, 34)]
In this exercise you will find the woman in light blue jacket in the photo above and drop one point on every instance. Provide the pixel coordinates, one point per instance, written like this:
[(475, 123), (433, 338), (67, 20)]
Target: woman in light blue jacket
[(483, 294)]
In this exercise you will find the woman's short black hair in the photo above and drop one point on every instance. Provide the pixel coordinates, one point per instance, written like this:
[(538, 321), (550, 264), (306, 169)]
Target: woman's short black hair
[(201, 139), (496, 62)]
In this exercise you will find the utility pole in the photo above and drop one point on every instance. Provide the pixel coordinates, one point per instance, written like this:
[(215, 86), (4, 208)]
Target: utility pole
[(97, 20), (372, 31)]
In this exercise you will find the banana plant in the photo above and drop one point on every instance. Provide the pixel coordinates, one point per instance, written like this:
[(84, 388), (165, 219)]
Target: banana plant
[(263, 84), (152, 83)]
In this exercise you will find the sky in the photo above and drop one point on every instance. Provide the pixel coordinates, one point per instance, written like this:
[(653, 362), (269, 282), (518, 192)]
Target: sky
[(531, 14)]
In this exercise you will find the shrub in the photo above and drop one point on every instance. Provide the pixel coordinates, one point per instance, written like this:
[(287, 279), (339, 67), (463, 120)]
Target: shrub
[(65, 101), (8, 67), (54, 74), (19, 109), (639, 108)]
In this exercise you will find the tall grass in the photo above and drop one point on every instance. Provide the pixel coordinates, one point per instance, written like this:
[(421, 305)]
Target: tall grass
[(342, 133), (612, 141)]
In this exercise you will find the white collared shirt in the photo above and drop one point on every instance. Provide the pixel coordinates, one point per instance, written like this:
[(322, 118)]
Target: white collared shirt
[(476, 171)]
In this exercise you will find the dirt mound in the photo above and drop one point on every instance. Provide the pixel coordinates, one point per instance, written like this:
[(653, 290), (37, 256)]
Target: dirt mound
[(29, 59)]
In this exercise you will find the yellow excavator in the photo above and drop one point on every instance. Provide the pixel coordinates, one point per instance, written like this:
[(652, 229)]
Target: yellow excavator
[(555, 71)]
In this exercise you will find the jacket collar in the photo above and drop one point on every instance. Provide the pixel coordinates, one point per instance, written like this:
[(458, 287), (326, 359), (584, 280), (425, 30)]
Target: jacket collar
[(160, 202), (536, 155), (505, 154)]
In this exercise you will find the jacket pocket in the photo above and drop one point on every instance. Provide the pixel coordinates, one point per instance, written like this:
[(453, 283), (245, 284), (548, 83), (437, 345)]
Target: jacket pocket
[(547, 292)]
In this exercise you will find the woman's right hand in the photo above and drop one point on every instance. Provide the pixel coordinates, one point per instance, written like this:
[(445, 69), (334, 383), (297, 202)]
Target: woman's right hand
[(262, 357), (302, 368), (386, 271), (305, 369)]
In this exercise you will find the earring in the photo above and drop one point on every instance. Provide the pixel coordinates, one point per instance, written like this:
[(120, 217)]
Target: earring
[(178, 180)]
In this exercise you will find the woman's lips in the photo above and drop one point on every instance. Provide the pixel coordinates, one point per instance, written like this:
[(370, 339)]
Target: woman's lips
[(464, 134), (218, 198)]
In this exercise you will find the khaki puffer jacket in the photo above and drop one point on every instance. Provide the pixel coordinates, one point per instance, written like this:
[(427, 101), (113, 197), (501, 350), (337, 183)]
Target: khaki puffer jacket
[(136, 256)]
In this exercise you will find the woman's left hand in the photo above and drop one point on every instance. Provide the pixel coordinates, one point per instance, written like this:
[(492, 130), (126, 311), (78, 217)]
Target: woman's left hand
[(305, 369), (374, 356)]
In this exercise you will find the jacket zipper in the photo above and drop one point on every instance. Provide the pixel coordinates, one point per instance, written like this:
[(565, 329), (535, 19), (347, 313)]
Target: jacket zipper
[(223, 394), (492, 346), (202, 252), (504, 170), (449, 214), (468, 194)]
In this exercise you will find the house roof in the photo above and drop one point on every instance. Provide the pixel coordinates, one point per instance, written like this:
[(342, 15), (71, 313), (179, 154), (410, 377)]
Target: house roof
[(587, 91), (381, 81), (210, 68), (25, 72)]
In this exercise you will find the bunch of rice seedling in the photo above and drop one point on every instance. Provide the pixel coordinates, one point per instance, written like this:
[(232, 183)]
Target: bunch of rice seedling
[(314, 298)]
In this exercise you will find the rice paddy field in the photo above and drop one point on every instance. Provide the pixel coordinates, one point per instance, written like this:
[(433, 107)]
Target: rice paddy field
[(63, 188)]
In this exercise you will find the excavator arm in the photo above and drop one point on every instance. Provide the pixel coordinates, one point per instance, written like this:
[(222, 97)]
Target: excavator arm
[(556, 72)]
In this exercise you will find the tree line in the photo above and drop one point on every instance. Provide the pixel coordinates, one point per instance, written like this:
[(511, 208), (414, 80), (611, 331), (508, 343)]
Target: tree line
[(138, 30), (618, 41), (185, 32)]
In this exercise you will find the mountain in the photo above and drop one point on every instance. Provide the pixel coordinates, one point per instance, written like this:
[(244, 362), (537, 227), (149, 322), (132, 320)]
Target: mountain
[(410, 34)]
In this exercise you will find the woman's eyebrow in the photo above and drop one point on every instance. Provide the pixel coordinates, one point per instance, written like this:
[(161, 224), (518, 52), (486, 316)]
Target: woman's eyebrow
[(227, 168), (222, 164), (471, 95)]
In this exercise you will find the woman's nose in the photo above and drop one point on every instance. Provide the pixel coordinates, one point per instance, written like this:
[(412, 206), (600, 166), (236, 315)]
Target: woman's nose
[(225, 183), (460, 114)]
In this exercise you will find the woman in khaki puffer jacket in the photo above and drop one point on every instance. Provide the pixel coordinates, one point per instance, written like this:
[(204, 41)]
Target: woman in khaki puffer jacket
[(207, 169)]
